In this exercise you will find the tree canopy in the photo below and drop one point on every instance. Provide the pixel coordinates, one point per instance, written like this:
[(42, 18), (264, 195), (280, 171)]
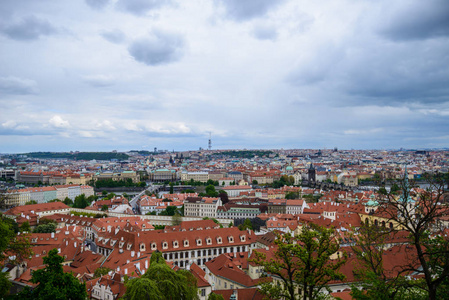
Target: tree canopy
[(160, 282), (302, 263)]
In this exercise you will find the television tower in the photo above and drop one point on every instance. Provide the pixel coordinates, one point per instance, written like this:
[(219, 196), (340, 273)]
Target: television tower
[(210, 140)]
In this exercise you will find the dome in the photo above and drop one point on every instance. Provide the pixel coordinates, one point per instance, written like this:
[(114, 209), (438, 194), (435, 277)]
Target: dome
[(289, 168)]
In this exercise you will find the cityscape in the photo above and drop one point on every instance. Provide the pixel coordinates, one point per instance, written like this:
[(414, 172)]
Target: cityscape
[(224, 149)]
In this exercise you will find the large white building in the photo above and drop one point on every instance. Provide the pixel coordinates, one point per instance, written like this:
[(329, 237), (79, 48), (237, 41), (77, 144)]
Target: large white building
[(201, 207)]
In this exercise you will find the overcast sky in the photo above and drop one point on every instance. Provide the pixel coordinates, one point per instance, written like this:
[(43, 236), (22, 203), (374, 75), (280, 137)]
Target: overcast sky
[(93, 75)]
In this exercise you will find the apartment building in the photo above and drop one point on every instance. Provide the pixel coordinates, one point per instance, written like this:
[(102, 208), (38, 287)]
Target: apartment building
[(201, 207)]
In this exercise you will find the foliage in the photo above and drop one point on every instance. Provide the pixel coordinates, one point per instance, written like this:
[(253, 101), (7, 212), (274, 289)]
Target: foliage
[(292, 195), (420, 218), (246, 225), (213, 296), (151, 213), (162, 282), (101, 271), (376, 283), (30, 202), (5, 284), (54, 200), (223, 196), (128, 182), (45, 228), (80, 155), (169, 211), (210, 191), (284, 180), (159, 227), (104, 207), (302, 263), (81, 201), (13, 245), (68, 201), (25, 227), (255, 182), (176, 219), (109, 196), (54, 283), (85, 214)]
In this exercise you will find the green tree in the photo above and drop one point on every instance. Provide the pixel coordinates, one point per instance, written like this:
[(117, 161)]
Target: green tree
[(31, 202), (255, 182), (375, 281), (246, 225), (104, 207), (176, 219), (420, 214), (213, 296), (53, 283), (80, 201), (292, 195), (171, 188), (101, 271), (302, 263), (160, 282), (169, 211), (68, 201), (45, 228), (25, 227), (210, 191)]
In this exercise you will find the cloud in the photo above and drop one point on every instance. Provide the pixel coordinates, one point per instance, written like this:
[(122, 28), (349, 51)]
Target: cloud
[(99, 80), (29, 28), (141, 7), (242, 10), (58, 122), (105, 125), (157, 49), (264, 32), (17, 86), (115, 36), (97, 4), (418, 20)]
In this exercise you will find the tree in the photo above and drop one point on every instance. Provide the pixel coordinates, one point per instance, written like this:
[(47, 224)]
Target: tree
[(176, 219), (302, 263), (68, 201), (213, 296), (104, 207), (210, 191), (169, 211), (30, 202), (223, 196), (45, 228), (255, 182), (101, 271), (420, 213), (160, 282), (54, 283), (25, 227), (80, 201), (376, 282), (246, 225), (171, 188)]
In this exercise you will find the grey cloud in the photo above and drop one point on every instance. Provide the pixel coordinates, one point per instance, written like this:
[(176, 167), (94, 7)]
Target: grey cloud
[(115, 36), (17, 86), (141, 7), (29, 28), (241, 10), (265, 32), (99, 80), (157, 49), (419, 20), (97, 4)]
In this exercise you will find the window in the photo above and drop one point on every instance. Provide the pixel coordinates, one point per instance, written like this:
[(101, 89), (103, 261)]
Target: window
[(153, 246), (164, 245), (199, 242), (219, 241), (231, 239), (175, 244), (186, 243), (203, 292)]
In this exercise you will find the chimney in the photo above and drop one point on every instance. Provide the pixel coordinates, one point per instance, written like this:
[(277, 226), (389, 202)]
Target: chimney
[(118, 269), (138, 254), (52, 235), (126, 271), (59, 250), (74, 244), (146, 264), (132, 253)]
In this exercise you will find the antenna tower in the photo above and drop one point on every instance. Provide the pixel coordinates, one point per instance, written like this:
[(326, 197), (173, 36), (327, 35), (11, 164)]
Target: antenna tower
[(210, 140)]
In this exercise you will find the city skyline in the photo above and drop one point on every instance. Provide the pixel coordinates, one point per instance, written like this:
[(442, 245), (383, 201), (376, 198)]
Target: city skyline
[(102, 75)]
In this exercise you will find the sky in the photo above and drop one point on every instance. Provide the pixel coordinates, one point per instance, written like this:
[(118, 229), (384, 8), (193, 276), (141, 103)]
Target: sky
[(102, 75)]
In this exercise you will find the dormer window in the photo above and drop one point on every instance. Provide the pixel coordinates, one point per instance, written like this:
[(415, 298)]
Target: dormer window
[(164, 245), (219, 240), (199, 242), (175, 244), (142, 247), (209, 241), (186, 243), (242, 238), (153, 246), (112, 242), (120, 245), (128, 246), (231, 239)]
